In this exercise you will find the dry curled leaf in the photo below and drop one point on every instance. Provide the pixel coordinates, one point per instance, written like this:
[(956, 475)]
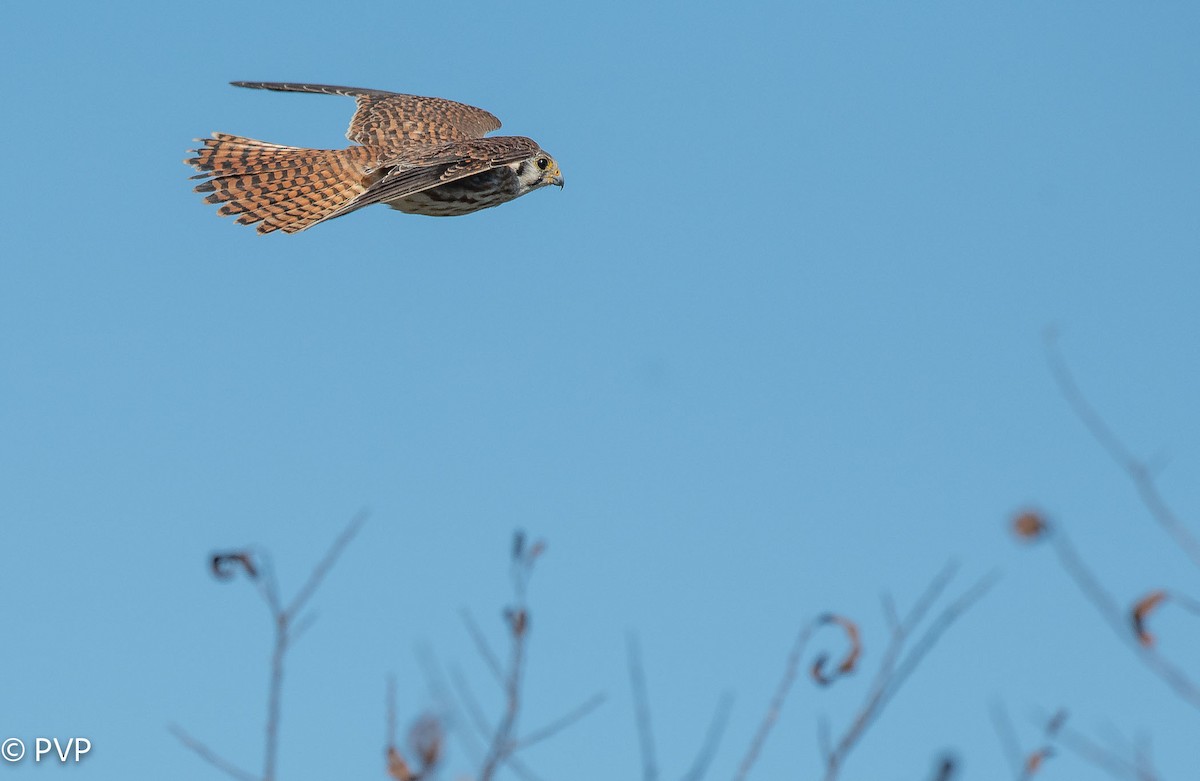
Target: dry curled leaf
[(1142, 610), (849, 661), (397, 768), (225, 565), (1030, 525)]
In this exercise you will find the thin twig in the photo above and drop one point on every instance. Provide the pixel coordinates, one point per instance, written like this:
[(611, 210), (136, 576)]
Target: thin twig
[(1087, 582), (440, 692), (474, 711), (1137, 470), (712, 739), (481, 644), (1100, 757), (210, 756), (275, 697), (943, 622), (286, 632), (1008, 737), (641, 708), (776, 705), (517, 619), (477, 718), (561, 723), (885, 676), (883, 690), (325, 564), (502, 743), (1142, 760), (1033, 761)]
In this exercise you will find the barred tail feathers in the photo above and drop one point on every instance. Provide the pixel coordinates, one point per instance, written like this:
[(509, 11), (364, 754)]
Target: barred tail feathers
[(278, 187)]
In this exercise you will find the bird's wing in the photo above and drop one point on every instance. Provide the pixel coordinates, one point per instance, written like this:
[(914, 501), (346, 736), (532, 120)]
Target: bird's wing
[(431, 167), (390, 121)]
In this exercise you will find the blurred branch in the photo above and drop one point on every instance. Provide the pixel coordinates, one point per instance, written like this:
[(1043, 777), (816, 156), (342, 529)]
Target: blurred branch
[(894, 669), (641, 706), (1086, 580), (775, 706), (210, 756), (224, 566), (1140, 769), (946, 769), (1008, 737), (284, 636), (562, 722), (474, 711), (517, 619), (1137, 470), (1027, 765), (480, 722), (712, 738), (481, 644)]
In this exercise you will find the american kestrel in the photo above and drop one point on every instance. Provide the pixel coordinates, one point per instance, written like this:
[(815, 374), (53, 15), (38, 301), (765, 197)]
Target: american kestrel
[(419, 155)]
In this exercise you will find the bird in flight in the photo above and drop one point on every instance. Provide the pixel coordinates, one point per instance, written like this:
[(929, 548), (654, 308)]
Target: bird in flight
[(419, 155)]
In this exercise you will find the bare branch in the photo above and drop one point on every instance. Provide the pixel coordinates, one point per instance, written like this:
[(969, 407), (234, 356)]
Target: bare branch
[(286, 633), (480, 722), (1137, 470), (502, 743), (481, 644), (887, 666), (1102, 758), (561, 723), (1008, 737), (258, 568), (895, 671), (325, 564), (1142, 760), (1034, 760), (712, 738), (211, 757), (641, 705), (478, 719), (1085, 579), (776, 705), (517, 619)]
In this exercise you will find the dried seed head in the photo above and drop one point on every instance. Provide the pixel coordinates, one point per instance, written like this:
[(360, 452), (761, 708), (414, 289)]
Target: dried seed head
[(1030, 525)]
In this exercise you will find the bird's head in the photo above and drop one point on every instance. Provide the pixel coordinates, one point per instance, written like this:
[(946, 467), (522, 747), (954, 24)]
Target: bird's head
[(537, 171)]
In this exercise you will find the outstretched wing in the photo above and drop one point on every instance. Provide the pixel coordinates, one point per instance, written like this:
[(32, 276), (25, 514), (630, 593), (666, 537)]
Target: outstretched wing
[(390, 121), (435, 166)]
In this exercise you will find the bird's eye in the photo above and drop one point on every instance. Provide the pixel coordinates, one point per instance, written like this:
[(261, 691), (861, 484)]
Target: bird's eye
[(542, 163)]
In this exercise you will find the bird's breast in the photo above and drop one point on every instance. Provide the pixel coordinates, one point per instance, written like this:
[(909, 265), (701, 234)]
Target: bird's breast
[(481, 191)]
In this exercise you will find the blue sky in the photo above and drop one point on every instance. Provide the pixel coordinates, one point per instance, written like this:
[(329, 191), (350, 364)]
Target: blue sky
[(774, 350)]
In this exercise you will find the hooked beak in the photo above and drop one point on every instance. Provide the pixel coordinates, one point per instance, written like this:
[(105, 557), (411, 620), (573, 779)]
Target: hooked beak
[(555, 177)]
